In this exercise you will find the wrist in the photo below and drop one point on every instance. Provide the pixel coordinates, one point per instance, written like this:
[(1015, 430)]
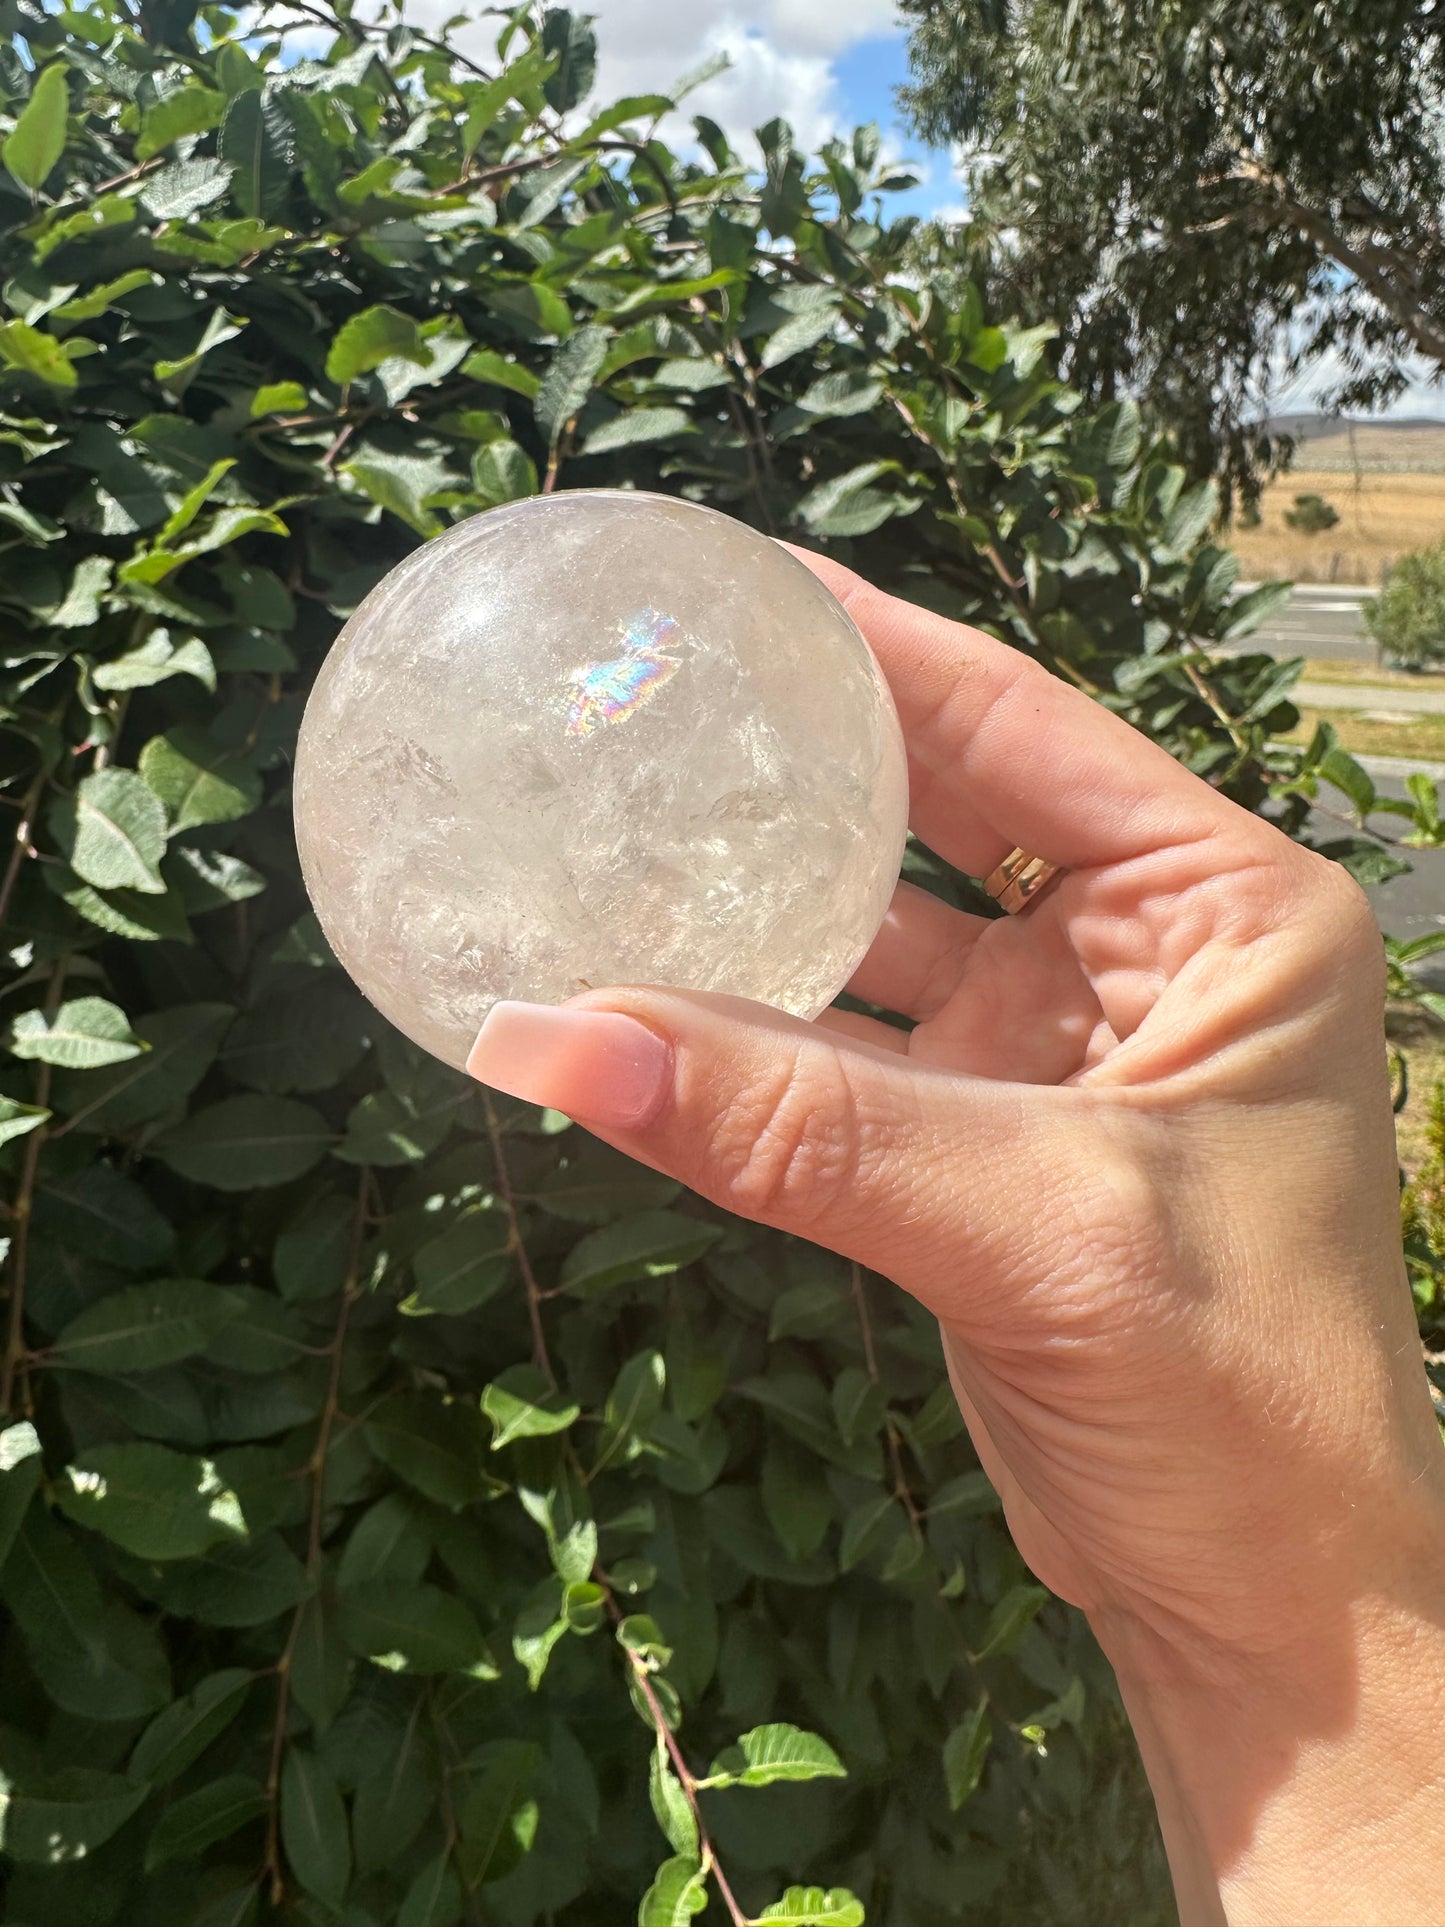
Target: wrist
[(1294, 1778)]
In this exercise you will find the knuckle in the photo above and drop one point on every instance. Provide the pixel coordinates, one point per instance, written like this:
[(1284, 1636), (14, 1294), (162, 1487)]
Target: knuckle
[(1342, 915), (789, 1150)]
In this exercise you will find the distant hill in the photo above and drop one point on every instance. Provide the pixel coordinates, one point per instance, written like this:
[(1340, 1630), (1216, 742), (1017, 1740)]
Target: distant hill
[(1329, 443)]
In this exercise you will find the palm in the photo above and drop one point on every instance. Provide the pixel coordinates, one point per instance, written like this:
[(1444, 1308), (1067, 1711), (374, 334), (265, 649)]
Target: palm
[(1115, 983)]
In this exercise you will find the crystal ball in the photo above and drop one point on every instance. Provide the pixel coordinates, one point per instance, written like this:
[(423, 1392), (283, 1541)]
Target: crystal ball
[(590, 738)]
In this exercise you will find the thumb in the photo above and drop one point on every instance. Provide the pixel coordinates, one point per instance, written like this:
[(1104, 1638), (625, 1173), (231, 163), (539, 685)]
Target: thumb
[(912, 1170)]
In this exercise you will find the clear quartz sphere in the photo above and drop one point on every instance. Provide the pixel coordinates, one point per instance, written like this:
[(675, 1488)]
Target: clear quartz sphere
[(598, 737)]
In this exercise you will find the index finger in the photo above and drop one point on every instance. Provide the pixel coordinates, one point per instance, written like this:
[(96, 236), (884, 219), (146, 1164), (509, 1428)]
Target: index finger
[(1002, 754)]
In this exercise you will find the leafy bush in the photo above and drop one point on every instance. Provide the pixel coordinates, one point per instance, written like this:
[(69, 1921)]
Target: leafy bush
[(1407, 618), (1311, 515), (403, 1500)]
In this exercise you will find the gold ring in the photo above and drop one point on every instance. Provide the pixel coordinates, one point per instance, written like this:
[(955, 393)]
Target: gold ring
[(1018, 880)]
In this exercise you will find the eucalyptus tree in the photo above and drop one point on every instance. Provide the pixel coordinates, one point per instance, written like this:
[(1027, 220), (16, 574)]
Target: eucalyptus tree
[(1196, 189)]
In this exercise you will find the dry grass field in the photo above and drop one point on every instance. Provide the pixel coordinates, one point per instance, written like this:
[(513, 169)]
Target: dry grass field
[(1382, 517), (1367, 732), (1388, 447)]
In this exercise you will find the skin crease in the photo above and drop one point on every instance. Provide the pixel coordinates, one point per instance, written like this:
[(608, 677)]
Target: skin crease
[(1137, 1156)]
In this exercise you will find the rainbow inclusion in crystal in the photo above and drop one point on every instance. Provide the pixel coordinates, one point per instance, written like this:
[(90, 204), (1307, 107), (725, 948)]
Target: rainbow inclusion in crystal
[(615, 687)]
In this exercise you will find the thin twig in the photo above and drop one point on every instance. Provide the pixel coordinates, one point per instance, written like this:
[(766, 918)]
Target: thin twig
[(20, 1214), (901, 1490), (21, 847), (540, 1355), (316, 1469), (688, 1780)]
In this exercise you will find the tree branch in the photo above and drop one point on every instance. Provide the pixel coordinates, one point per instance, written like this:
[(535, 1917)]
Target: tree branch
[(540, 1354), (1386, 272)]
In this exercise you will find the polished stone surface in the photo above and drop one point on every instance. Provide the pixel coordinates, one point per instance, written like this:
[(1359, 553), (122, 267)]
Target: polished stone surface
[(593, 738)]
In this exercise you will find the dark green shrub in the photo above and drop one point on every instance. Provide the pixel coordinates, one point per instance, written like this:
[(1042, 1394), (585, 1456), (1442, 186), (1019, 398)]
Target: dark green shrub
[(1311, 515), (1407, 618), (384, 1462)]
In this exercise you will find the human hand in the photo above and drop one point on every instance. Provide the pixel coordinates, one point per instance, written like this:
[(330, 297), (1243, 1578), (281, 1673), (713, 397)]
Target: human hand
[(1137, 1155)]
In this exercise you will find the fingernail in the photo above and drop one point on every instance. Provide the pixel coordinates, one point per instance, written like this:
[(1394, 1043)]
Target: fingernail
[(596, 1065)]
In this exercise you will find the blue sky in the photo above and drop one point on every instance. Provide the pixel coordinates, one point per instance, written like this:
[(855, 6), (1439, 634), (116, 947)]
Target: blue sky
[(824, 65), (868, 75)]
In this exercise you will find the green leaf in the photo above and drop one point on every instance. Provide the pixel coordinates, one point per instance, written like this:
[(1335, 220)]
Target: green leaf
[(503, 472), (184, 188), (20, 1469), (313, 1248), (81, 606), (397, 1793), (256, 141), (245, 1142), (464, 1266), (638, 425), (186, 1728), (89, 1651), (156, 1503), (434, 1444), (114, 833), (776, 1752), (80, 1035), (401, 484), (964, 1753), (198, 781), (804, 329), (37, 140), (16, 1118), (156, 659), (434, 1898), (1015, 1611), (1191, 520), (498, 1820), (176, 372), (180, 1047), (592, 1184), (522, 1405), (370, 338), (678, 1891), (212, 1813), (866, 1526), (390, 1542), (670, 1805), (421, 1626), (539, 1625), (142, 1327), (192, 109), (816, 1907), (96, 302), (296, 1039), (96, 1211), (1249, 612), (236, 1583), (568, 381), (388, 1128), (278, 398), (56, 1817), (846, 392), (321, 1669), (848, 504), (124, 913), (1337, 766), (313, 1827), (650, 1245), (488, 366)]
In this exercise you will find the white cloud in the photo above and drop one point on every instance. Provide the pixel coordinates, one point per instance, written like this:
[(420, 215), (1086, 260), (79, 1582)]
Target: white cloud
[(780, 54)]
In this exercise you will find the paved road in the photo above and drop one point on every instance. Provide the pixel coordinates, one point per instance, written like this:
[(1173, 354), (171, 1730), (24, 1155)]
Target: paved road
[(1403, 699), (1414, 905), (1320, 619)]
